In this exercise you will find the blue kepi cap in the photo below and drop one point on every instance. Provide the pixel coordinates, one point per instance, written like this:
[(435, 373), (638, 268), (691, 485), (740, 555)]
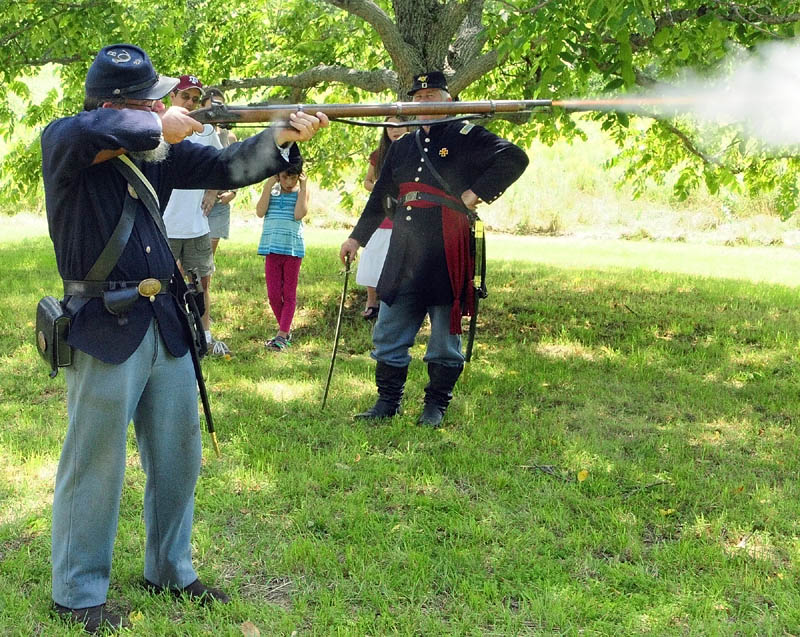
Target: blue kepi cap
[(431, 79), (125, 70)]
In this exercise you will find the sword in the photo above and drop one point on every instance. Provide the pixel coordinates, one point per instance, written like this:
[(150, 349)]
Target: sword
[(198, 372), (338, 329), (478, 283)]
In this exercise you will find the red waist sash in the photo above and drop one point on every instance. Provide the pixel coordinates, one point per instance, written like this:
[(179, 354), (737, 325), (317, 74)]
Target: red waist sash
[(457, 251)]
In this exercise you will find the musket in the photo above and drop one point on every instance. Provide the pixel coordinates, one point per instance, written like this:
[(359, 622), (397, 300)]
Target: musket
[(219, 113), (338, 329)]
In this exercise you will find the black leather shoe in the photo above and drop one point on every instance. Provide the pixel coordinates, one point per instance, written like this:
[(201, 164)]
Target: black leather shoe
[(196, 591), (93, 618)]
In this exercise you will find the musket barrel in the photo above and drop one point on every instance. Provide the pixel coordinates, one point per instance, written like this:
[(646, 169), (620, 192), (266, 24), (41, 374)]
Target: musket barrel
[(224, 114)]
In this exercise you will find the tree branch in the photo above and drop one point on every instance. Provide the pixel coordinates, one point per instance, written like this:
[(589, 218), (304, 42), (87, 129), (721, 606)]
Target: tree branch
[(473, 70), (373, 81), (733, 14), (450, 22), (688, 144), (529, 11), (468, 41), (404, 57), (475, 67)]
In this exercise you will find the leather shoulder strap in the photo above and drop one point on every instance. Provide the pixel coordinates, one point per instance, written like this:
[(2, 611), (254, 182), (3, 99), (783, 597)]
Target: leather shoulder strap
[(111, 253), (142, 187), (116, 244)]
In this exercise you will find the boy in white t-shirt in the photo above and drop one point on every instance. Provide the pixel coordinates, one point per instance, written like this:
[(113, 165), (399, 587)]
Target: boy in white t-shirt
[(186, 214)]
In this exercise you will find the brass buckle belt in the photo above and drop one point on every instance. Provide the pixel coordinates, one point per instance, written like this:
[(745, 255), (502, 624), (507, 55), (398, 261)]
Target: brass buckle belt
[(88, 289)]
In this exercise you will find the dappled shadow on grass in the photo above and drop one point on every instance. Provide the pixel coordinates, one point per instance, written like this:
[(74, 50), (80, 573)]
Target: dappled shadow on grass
[(676, 395)]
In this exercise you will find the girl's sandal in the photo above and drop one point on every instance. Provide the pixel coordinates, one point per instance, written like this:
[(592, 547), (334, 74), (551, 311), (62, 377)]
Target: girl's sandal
[(277, 344)]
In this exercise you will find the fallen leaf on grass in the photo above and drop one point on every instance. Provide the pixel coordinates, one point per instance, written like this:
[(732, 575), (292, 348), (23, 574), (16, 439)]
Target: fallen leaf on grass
[(666, 512), (249, 629), (135, 617), (582, 475)]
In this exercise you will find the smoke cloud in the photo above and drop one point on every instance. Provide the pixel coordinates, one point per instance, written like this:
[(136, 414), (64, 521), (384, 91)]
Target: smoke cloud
[(759, 91)]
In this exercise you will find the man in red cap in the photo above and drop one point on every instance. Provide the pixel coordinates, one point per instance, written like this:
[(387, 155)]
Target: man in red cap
[(131, 362), (188, 93), (186, 215)]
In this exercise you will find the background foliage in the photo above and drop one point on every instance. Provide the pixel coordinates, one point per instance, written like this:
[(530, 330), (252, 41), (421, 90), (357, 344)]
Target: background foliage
[(348, 50)]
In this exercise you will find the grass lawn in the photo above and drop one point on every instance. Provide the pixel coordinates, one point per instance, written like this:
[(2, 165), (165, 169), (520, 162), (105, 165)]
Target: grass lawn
[(620, 458)]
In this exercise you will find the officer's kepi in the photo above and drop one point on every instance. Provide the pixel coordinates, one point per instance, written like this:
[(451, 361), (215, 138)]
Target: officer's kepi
[(125, 70), (431, 79)]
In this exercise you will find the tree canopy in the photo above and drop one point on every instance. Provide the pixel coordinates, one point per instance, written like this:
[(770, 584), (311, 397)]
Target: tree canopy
[(348, 50)]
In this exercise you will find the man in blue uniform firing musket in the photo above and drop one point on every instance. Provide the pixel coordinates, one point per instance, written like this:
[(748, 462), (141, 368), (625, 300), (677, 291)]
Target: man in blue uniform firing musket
[(131, 356)]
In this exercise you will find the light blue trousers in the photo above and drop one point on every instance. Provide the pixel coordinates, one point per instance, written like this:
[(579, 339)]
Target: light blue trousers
[(397, 327), (159, 393)]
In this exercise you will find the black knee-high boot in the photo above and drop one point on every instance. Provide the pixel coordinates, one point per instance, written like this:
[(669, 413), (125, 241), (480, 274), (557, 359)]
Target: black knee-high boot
[(390, 381), (438, 393)]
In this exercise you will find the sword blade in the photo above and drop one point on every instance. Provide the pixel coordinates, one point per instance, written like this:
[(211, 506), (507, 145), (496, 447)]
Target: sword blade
[(338, 331)]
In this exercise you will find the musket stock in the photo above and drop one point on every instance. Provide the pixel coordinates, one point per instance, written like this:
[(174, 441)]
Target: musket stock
[(232, 114)]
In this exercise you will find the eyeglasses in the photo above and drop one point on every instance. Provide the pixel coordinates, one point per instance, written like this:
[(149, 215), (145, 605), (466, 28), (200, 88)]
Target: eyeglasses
[(140, 104), (188, 97)]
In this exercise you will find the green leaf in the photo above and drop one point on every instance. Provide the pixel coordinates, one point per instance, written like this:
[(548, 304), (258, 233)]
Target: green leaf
[(661, 37)]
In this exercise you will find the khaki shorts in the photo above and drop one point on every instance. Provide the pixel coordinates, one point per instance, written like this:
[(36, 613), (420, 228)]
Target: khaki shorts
[(194, 254)]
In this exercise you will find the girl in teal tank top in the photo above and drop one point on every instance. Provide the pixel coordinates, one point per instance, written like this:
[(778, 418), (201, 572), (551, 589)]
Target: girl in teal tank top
[(283, 204)]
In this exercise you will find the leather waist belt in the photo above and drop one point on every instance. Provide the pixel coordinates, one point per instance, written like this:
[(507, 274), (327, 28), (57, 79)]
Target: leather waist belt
[(447, 202), (87, 289), (418, 195)]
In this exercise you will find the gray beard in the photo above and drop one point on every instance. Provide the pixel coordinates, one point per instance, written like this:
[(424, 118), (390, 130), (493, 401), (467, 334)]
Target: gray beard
[(153, 156)]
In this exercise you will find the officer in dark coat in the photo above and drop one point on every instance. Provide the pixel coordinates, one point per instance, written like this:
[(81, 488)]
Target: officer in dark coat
[(429, 265), (136, 366)]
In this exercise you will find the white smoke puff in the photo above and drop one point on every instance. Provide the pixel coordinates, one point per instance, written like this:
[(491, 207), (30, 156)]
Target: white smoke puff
[(760, 92)]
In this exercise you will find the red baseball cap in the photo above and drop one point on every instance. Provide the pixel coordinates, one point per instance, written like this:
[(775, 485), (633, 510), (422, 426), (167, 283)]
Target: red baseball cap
[(189, 81)]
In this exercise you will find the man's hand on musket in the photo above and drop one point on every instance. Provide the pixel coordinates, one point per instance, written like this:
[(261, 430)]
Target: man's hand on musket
[(349, 250), (177, 125), (301, 127)]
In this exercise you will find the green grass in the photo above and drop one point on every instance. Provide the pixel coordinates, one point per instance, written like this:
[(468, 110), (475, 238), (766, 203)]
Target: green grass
[(667, 372)]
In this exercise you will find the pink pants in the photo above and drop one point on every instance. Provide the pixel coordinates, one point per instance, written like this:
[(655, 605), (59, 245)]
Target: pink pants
[(281, 273)]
